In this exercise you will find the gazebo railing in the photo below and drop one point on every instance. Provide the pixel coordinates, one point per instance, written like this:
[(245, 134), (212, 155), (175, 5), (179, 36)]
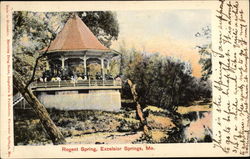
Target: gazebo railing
[(79, 83)]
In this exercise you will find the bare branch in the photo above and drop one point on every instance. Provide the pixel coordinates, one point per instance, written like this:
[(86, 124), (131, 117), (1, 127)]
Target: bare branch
[(36, 63)]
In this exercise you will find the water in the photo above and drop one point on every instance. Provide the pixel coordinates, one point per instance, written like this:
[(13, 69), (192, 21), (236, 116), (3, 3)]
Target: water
[(198, 127)]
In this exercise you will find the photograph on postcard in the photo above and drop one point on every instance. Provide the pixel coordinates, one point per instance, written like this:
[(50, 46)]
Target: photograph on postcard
[(112, 77)]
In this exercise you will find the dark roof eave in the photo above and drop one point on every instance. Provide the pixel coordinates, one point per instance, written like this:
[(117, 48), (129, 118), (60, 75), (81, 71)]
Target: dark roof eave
[(84, 50), (114, 52)]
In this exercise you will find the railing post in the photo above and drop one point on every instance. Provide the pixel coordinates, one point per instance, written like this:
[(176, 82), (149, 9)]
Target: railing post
[(89, 81)]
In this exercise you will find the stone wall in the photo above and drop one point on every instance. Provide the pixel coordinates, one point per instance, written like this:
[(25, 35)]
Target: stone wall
[(109, 100)]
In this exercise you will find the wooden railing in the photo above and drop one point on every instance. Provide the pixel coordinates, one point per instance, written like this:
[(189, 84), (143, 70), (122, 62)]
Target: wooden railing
[(17, 98), (79, 83)]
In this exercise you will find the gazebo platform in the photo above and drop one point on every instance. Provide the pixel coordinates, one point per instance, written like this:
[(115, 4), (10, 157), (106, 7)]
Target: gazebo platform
[(81, 95)]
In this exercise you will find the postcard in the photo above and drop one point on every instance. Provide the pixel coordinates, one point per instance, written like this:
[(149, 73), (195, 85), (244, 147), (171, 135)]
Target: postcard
[(124, 79)]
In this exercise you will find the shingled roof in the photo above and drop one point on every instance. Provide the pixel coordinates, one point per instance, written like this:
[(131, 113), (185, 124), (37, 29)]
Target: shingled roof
[(76, 36)]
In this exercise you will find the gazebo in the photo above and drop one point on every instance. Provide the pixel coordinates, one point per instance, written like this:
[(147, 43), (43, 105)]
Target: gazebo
[(76, 45), (65, 88)]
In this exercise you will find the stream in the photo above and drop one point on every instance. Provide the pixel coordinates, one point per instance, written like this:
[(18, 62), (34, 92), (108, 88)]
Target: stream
[(197, 126)]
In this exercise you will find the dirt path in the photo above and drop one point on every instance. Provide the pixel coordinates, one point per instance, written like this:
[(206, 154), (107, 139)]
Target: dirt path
[(105, 138)]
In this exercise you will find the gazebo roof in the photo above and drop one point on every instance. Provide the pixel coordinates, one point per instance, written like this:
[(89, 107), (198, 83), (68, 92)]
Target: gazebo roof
[(76, 36)]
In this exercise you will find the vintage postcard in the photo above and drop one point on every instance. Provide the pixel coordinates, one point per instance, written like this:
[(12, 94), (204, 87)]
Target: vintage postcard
[(124, 79)]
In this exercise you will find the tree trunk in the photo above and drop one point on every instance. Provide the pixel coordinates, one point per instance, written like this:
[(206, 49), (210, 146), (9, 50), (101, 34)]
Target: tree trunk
[(54, 133), (138, 107)]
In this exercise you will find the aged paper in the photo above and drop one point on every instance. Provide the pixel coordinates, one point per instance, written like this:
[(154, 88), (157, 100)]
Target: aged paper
[(230, 82)]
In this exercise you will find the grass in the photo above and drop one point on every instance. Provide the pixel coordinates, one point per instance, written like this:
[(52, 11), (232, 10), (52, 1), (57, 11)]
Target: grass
[(154, 109), (196, 106)]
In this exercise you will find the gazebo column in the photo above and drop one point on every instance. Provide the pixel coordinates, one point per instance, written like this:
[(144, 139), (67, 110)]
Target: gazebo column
[(47, 65), (108, 66), (85, 65), (63, 62), (102, 65)]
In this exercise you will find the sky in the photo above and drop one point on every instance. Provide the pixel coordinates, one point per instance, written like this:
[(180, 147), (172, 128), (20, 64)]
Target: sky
[(168, 32)]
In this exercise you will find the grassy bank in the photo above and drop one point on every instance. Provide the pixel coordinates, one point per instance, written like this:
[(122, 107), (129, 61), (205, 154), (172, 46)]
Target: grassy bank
[(102, 127)]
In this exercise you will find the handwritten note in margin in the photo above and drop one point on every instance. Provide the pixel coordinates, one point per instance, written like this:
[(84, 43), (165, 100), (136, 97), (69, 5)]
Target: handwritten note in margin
[(231, 77)]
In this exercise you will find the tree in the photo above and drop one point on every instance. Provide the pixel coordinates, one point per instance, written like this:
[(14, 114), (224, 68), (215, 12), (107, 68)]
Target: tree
[(29, 36), (161, 81), (54, 133), (33, 31), (103, 24), (139, 111), (205, 52)]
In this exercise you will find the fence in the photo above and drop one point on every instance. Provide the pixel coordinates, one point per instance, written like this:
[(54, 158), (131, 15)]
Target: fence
[(79, 83)]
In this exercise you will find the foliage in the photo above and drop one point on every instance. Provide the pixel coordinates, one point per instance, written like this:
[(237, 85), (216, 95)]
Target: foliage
[(205, 60), (94, 69), (161, 81), (103, 24), (31, 32), (205, 52), (29, 132)]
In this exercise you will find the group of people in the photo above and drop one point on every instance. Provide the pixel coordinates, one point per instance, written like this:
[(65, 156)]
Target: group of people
[(47, 76), (53, 79)]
